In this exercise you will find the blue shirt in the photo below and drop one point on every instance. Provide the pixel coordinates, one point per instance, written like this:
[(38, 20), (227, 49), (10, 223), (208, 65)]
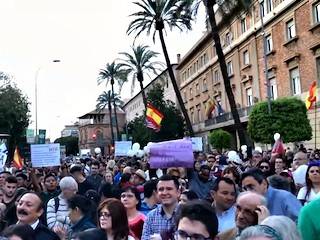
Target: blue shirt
[(227, 219), (281, 202), (145, 209), (157, 222)]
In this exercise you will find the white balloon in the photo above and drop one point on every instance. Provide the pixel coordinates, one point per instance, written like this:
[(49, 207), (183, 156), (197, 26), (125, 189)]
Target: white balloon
[(130, 153), (244, 148), (140, 153), (97, 150), (259, 149), (136, 146), (276, 136)]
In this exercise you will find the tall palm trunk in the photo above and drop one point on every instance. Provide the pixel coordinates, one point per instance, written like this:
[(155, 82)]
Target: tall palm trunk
[(110, 116), (173, 79), (223, 66), (140, 80), (115, 111)]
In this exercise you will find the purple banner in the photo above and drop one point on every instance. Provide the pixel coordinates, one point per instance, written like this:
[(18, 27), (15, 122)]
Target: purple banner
[(176, 153)]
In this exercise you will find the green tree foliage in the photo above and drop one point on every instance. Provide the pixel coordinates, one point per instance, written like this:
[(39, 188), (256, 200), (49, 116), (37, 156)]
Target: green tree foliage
[(220, 139), (172, 125), (71, 144), (138, 63), (14, 115), (289, 118), (155, 16)]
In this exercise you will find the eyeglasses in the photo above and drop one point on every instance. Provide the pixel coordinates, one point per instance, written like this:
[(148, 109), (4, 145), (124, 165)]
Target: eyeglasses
[(104, 215), (128, 195), (264, 167), (182, 235)]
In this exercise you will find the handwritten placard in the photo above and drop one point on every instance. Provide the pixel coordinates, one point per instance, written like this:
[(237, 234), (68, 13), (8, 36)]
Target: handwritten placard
[(121, 148), (45, 155), (176, 153)]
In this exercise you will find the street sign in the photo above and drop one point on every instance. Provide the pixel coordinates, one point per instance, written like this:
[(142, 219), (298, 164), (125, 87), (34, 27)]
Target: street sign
[(30, 136)]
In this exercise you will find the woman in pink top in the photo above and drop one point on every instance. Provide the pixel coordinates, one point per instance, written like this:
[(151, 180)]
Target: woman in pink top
[(130, 198)]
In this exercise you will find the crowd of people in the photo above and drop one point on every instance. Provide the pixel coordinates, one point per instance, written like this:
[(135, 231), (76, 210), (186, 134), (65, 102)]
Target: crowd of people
[(226, 196)]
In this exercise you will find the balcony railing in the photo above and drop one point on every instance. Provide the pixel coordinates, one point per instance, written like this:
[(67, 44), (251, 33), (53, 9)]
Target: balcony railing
[(243, 112)]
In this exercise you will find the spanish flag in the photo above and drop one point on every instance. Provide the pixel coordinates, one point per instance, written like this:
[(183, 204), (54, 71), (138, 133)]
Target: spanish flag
[(312, 95), (154, 116), (210, 106), (17, 159)]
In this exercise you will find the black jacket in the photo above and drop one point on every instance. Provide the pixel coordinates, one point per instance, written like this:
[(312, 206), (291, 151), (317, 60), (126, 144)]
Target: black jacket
[(44, 233)]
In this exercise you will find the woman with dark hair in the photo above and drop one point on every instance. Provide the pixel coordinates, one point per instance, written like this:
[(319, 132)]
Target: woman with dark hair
[(187, 196), (92, 234), (113, 219), (312, 188), (19, 232), (232, 173), (130, 198)]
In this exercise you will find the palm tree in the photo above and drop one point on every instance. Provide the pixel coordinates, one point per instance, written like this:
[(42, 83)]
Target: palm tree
[(139, 63), (113, 72), (103, 100), (229, 9), (155, 14)]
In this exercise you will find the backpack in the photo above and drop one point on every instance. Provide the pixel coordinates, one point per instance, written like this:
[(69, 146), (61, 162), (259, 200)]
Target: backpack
[(43, 217)]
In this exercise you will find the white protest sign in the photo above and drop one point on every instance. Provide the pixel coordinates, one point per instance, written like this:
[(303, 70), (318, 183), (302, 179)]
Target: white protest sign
[(121, 148), (45, 155), (196, 144), (3, 155)]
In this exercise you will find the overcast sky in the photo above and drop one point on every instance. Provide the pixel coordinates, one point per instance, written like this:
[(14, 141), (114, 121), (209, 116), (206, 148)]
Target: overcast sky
[(84, 35)]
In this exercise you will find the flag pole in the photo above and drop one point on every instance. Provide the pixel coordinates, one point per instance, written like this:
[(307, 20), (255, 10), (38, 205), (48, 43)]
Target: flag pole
[(315, 125)]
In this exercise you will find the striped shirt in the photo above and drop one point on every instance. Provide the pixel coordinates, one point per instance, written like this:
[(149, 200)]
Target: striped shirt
[(59, 218)]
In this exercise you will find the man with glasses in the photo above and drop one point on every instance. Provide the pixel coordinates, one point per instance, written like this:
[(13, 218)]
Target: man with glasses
[(196, 220), (250, 210), (280, 202)]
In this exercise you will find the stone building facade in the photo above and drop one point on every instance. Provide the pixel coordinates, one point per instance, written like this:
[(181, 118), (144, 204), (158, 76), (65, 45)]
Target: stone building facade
[(292, 33)]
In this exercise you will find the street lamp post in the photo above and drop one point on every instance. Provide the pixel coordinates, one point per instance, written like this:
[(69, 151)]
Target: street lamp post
[(36, 93)]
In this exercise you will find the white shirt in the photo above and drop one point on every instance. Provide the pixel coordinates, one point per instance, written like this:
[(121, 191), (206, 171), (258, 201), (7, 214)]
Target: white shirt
[(299, 175), (226, 219), (302, 194), (34, 225)]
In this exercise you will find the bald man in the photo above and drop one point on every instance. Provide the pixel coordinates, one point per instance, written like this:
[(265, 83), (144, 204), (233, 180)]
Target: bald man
[(29, 210), (300, 167), (251, 209)]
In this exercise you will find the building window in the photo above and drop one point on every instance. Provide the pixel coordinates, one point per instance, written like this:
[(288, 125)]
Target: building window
[(205, 56), (269, 44), (316, 13), (249, 97), (273, 89), (291, 29), (192, 116), (184, 96), (246, 59), (269, 5), (199, 114), (204, 86), (216, 76), (243, 24), (191, 93), (228, 38), (197, 89), (229, 68), (295, 81), (262, 10), (318, 70)]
